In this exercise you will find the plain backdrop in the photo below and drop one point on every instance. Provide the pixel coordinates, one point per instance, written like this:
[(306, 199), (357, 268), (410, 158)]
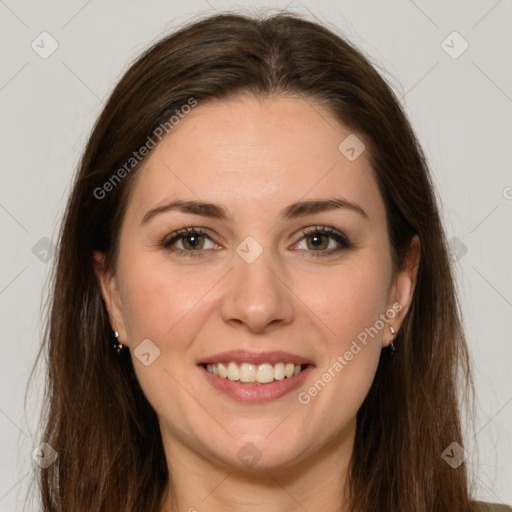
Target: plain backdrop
[(457, 92)]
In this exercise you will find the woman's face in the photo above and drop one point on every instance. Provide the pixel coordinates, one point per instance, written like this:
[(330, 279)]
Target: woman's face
[(286, 260)]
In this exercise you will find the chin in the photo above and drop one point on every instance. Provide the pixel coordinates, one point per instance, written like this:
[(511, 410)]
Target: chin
[(258, 453)]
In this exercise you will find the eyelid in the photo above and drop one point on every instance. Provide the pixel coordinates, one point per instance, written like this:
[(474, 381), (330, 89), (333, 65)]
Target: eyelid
[(326, 230), (340, 238), (176, 235)]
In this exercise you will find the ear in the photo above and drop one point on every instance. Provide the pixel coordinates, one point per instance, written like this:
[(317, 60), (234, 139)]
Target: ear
[(111, 295), (402, 289)]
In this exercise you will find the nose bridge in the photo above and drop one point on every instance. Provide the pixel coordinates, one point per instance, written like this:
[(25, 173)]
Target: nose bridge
[(256, 295)]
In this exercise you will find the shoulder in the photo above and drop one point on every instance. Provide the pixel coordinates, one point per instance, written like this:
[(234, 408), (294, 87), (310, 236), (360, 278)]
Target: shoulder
[(480, 506)]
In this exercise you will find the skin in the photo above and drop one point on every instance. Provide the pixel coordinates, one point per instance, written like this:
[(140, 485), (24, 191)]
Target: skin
[(255, 157)]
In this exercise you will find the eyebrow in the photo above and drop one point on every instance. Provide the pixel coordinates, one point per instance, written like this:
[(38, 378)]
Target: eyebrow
[(215, 211)]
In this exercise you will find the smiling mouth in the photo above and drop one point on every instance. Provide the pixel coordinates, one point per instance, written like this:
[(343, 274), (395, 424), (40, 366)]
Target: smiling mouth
[(249, 373)]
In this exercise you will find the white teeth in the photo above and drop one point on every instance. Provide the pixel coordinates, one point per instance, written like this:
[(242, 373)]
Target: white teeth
[(279, 371), (233, 371), (265, 373), (288, 369), (247, 372), (223, 371)]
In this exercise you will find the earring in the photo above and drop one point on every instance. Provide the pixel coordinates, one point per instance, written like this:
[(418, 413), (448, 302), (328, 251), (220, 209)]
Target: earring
[(393, 332), (118, 346)]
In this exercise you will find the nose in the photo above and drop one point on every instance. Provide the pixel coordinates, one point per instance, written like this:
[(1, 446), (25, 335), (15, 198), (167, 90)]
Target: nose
[(256, 296)]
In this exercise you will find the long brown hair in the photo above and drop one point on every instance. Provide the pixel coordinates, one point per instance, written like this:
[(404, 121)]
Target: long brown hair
[(96, 416)]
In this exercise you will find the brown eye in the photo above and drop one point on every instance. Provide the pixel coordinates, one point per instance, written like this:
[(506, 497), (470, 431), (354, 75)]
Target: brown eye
[(317, 241), (192, 241), (189, 242), (323, 241)]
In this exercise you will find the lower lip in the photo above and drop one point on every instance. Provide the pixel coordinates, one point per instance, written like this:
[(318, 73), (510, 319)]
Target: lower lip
[(256, 393)]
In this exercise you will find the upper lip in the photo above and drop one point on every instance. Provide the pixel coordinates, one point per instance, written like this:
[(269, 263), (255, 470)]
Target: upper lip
[(244, 356)]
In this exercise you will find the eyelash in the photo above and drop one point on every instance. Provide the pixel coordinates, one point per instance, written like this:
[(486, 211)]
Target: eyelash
[(336, 235)]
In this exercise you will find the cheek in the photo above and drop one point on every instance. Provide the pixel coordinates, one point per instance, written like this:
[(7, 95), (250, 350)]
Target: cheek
[(350, 305), (156, 298), (169, 308), (349, 299)]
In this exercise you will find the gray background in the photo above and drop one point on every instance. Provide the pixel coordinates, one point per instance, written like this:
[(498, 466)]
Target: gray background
[(460, 108)]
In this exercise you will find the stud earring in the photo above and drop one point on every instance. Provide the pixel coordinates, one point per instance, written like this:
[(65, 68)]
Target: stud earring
[(393, 332), (118, 346)]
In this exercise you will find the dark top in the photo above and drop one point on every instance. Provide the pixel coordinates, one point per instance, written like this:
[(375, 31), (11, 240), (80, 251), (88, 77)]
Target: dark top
[(492, 507)]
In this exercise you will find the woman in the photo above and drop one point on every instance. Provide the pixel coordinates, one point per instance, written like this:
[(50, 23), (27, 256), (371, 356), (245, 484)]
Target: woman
[(254, 225)]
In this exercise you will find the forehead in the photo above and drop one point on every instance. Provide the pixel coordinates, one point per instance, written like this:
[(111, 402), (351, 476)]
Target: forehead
[(249, 152)]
